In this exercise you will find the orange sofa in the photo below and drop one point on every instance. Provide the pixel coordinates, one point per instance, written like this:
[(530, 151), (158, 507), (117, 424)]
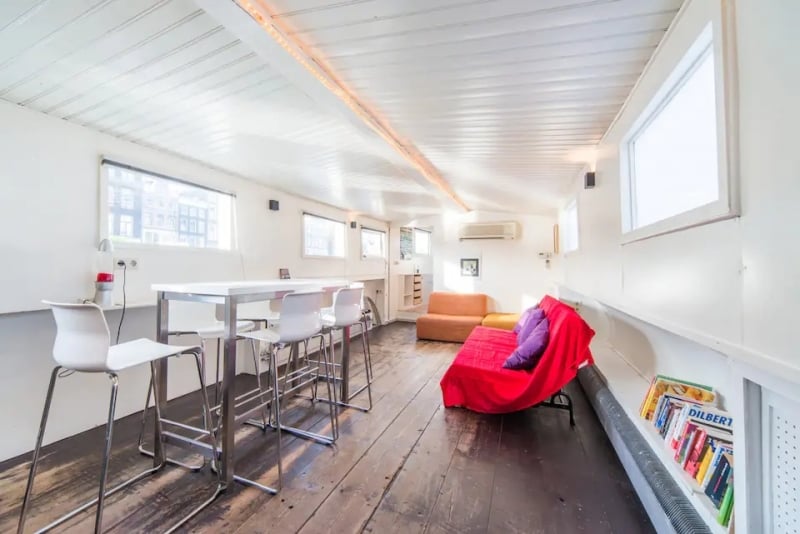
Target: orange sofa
[(452, 316)]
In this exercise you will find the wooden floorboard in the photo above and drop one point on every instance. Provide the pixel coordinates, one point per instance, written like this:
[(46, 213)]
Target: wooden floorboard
[(409, 465)]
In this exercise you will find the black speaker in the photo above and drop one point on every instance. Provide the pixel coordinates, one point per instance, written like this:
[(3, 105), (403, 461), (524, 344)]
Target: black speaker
[(588, 180), (353, 224), (274, 205)]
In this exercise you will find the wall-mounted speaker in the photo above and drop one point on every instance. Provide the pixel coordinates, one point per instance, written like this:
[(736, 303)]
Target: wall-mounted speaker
[(353, 224), (588, 180), (274, 205)]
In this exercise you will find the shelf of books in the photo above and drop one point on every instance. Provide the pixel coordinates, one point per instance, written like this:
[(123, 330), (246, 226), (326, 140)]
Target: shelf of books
[(683, 424)]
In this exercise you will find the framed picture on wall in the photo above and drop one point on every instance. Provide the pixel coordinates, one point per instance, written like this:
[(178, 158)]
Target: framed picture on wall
[(283, 273), (406, 243), (471, 267)]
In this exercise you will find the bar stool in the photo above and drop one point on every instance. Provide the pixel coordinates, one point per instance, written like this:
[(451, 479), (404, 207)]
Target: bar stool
[(299, 322), (213, 330), (347, 311), (83, 344)]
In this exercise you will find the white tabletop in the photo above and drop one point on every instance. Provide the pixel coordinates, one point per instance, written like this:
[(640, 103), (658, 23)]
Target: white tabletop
[(252, 287)]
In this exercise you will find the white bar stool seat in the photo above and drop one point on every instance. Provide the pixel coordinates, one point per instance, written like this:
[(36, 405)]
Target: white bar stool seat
[(83, 344), (347, 311), (299, 321)]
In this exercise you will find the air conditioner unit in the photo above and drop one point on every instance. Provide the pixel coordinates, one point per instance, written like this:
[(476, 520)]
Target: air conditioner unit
[(489, 230)]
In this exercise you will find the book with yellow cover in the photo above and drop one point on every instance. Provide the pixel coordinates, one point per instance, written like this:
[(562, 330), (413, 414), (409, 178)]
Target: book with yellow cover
[(701, 473), (688, 390)]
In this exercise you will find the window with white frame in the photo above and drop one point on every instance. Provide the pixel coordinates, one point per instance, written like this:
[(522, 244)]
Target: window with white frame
[(373, 243), (422, 242), (673, 152), (323, 237), (569, 227), (142, 207)]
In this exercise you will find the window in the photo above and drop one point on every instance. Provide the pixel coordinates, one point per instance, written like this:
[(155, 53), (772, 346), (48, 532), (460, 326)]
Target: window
[(143, 188), (373, 243), (422, 242), (569, 225), (322, 237), (126, 200), (673, 155), (126, 226)]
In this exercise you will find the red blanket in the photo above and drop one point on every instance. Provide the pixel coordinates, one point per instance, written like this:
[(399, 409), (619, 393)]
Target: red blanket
[(476, 379)]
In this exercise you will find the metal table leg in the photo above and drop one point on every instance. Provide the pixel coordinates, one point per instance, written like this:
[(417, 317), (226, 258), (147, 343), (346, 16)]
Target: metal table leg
[(228, 396), (162, 336), (344, 396)]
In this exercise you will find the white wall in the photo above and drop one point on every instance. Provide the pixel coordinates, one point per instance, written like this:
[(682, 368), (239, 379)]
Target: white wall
[(512, 273), (735, 280), (725, 292), (49, 173)]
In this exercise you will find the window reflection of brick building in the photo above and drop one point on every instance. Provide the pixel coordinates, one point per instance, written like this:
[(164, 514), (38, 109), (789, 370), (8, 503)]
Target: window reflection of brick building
[(156, 211)]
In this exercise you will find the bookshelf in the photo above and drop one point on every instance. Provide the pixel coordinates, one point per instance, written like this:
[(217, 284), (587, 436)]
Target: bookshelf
[(629, 388), (411, 291)]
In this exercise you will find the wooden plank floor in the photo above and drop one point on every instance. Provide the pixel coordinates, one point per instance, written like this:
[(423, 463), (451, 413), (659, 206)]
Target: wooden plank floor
[(408, 466)]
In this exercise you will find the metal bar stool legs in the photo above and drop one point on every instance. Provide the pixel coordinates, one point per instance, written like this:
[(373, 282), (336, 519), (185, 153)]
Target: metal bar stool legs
[(367, 371), (102, 492)]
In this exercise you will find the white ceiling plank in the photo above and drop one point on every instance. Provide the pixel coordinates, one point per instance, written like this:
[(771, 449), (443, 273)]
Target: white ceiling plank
[(179, 116), (92, 63), (614, 17), (14, 13), (75, 38), (386, 16), (532, 78), (506, 59), (207, 63), (168, 50), (213, 73), (15, 39)]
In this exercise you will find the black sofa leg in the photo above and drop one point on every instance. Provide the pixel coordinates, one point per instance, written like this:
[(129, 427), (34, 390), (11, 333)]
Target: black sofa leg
[(564, 403)]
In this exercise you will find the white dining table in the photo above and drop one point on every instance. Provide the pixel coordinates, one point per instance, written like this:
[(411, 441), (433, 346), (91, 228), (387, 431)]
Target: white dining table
[(230, 294)]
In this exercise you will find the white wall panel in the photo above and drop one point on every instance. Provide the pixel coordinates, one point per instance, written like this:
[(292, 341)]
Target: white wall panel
[(692, 278), (769, 115)]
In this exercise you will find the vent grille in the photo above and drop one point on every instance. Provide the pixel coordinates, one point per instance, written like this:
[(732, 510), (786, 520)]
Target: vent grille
[(493, 230)]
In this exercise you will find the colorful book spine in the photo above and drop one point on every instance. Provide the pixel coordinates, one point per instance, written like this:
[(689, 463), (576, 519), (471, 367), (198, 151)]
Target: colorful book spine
[(726, 508), (707, 455), (693, 462)]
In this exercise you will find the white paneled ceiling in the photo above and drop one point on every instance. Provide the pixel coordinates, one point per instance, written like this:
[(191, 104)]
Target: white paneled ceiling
[(163, 73), (504, 97)]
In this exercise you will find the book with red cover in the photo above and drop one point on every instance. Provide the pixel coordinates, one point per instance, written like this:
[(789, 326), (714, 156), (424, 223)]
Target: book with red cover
[(680, 452), (694, 456)]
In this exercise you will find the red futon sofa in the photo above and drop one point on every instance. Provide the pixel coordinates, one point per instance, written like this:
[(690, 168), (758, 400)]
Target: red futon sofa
[(476, 379)]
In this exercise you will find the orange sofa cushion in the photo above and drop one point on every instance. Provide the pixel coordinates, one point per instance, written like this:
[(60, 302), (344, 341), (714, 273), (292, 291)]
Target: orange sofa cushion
[(452, 316), (504, 321), (440, 327), (445, 303)]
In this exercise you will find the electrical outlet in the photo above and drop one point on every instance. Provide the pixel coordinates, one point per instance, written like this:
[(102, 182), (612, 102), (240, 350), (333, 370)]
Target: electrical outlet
[(129, 263)]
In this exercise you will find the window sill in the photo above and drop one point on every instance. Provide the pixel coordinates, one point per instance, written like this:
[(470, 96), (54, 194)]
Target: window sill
[(708, 214)]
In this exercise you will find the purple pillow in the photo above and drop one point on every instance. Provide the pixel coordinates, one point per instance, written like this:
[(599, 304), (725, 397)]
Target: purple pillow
[(527, 355), (536, 316), (522, 320)]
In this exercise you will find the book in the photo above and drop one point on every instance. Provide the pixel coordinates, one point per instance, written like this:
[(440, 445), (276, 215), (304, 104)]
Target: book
[(706, 461), (722, 486), (680, 452), (693, 458), (716, 484), (726, 506), (647, 398), (667, 385), (710, 417)]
